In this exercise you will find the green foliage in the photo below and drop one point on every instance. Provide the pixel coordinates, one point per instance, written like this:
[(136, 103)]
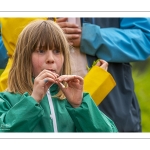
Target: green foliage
[(94, 63), (141, 77), (1, 70)]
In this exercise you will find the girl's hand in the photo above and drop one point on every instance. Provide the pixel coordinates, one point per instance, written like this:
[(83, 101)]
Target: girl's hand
[(103, 64), (74, 89), (41, 84)]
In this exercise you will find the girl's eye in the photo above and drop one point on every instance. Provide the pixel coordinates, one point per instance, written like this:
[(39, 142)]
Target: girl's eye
[(56, 51), (41, 51)]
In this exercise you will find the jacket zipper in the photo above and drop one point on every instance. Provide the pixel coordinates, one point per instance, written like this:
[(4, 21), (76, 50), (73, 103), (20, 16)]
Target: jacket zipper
[(52, 115)]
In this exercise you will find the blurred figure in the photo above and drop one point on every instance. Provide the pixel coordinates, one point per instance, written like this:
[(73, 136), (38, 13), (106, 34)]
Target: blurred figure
[(119, 41)]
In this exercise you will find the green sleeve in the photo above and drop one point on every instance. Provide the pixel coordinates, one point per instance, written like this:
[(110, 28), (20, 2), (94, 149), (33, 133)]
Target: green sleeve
[(88, 118), (22, 116)]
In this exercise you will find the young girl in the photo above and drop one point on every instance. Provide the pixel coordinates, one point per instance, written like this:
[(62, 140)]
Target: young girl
[(42, 96)]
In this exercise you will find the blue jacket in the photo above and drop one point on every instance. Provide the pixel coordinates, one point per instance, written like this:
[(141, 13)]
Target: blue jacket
[(118, 41), (124, 40), (3, 54)]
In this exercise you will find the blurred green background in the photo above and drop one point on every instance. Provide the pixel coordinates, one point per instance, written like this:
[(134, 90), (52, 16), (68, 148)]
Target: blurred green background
[(141, 77), (1, 71)]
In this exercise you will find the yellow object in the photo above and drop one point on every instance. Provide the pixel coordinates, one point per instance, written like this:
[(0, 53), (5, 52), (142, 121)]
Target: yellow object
[(4, 75), (55, 19), (98, 83), (10, 29)]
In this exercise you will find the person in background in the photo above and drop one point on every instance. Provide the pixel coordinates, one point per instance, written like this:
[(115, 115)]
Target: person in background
[(119, 41), (42, 96)]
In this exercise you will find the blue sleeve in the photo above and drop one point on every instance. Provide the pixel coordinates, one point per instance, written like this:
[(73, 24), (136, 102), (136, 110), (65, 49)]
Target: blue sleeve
[(3, 54), (129, 43)]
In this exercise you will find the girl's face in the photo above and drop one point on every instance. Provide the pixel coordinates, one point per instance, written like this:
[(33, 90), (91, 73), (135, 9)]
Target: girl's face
[(47, 59)]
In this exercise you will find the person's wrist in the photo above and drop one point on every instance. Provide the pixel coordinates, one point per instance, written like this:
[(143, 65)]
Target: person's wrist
[(36, 98)]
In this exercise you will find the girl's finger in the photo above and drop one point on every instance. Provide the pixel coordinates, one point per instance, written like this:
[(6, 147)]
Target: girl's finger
[(48, 74), (69, 78)]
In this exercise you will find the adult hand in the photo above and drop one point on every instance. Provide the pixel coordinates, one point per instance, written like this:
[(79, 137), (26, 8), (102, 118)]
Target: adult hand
[(103, 64), (71, 30)]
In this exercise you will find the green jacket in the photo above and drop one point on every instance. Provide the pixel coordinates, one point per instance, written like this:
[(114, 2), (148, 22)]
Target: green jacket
[(21, 113)]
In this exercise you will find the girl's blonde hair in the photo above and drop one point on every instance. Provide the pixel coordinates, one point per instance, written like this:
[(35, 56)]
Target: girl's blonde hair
[(37, 32)]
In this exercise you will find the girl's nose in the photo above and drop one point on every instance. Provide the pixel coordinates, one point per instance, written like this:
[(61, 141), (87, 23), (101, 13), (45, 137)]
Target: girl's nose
[(50, 57)]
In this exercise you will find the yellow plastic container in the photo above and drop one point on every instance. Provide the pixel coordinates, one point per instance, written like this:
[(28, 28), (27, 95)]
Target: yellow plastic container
[(98, 83)]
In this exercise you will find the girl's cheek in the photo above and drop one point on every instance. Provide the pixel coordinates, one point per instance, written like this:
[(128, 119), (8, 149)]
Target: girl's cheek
[(37, 65), (61, 65), (35, 70)]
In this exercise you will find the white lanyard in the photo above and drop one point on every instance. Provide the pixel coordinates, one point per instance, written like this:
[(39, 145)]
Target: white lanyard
[(52, 115)]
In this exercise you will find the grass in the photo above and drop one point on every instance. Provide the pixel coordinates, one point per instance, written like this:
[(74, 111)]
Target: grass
[(1, 71), (141, 77)]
